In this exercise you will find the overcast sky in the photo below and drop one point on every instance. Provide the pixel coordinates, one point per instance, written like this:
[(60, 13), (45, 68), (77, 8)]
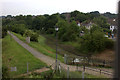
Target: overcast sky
[(40, 7)]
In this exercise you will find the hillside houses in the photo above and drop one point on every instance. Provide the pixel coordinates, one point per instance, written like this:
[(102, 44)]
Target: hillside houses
[(113, 24), (112, 27), (87, 25)]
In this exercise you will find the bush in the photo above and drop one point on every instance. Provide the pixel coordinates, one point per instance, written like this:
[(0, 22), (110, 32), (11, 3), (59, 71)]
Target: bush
[(34, 37), (50, 31), (4, 31), (18, 28), (5, 72), (28, 33), (109, 44)]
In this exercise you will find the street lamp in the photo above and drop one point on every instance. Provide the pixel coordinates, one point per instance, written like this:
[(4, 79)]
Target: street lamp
[(56, 29)]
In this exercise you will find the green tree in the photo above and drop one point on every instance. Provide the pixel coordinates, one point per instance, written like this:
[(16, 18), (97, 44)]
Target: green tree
[(34, 37), (74, 13), (50, 22), (68, 32), (94, 28), (28, 33), (38, 22), (4, 31), (101, 21), (92, 42), (81, 17), (63, 26)]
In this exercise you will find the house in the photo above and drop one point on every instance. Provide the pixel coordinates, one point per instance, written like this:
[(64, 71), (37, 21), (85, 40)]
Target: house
[(88, 25), (78, 23), (112, 27), (81, 33)]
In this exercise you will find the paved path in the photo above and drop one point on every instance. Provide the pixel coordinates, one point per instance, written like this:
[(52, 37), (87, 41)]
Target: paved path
[(49, 61)]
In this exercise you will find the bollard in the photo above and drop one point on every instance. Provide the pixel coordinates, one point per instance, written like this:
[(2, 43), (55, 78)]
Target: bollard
[(83, 67), (65, 58), (68, 73), (83, 75), (27, 67), (77, 67), (100, 71)]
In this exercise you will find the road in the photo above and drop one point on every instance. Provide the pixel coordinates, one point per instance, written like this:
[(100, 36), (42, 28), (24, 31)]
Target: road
[(49, 61)]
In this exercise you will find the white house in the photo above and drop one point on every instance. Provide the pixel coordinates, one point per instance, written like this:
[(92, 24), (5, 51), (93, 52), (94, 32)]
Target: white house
[(78, 24), (113, 27), (89, 25)]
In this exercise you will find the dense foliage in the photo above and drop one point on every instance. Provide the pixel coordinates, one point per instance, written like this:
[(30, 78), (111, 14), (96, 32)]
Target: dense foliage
[(92, 40), (4, 31)]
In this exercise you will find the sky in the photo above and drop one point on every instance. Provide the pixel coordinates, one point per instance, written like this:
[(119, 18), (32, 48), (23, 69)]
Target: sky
[(40, 7)]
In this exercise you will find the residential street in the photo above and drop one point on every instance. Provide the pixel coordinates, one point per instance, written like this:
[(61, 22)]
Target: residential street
[(49, 61)]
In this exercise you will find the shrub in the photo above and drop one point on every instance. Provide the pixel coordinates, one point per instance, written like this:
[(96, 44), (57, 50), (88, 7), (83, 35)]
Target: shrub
[(28, 33), (109, 44), (4, 32), (34, 37), (5, 72)]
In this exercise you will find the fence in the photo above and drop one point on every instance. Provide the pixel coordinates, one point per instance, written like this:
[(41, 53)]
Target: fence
[(18, 69), (66, 73), (87, 61), (79, 73)]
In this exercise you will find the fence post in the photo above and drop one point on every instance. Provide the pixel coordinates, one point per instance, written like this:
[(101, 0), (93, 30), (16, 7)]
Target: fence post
[(77, 66), (83, 67), (68, 73), (65, 58), (100, 71), (82, 75), (27, 67)]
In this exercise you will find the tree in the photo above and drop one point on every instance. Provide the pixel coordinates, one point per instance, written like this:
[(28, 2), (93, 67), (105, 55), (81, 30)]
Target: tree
[(34, 37), (68, 32), (28, 33), (74, 13), (20, 17), (18, 28), (38, 22), (92, 42), (50, 22), (101, 21), (81, 17), (63, 26), (95, 13), (4, 31), (94, 28), (83, 28)]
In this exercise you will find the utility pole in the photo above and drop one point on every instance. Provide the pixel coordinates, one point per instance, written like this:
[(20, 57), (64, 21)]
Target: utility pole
[(56, 28)]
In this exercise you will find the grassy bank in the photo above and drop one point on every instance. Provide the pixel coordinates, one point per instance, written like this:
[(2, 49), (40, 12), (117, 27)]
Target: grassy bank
[(14, 55), (41, 47)]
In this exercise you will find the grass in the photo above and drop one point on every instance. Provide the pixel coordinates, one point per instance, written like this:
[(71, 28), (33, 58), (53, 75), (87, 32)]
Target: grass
[(72, 74), (41, 46), (14, 55), (68, 48), (77, 74)]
